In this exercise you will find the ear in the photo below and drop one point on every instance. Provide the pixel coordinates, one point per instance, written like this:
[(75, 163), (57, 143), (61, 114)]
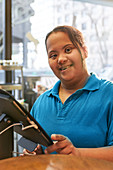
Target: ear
[(85, 51)]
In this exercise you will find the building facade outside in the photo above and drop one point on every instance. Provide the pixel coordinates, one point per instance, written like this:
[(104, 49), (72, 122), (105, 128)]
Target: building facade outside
[(95, 21)]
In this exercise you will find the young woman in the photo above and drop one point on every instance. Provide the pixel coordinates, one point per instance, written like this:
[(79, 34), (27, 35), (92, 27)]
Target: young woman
[(78, 111)]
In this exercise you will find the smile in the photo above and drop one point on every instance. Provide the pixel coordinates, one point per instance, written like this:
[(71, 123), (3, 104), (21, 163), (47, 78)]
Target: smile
[(64, 68)]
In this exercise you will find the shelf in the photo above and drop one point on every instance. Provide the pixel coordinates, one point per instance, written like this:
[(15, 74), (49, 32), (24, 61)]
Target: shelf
[(11, 86), (10, 67)]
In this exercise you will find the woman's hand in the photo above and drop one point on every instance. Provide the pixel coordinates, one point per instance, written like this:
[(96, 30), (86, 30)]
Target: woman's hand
[(62, 145), (38, 150)]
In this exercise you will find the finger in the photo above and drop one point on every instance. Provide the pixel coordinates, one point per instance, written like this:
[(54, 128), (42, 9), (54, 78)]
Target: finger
[(55, 147), (59, 146), (39, 150), (22, 154), (27, 152), (66, 150), (57, 137)]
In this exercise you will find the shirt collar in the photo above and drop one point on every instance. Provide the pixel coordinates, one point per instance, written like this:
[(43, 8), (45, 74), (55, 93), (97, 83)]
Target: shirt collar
[(93, 83), (55, 90)]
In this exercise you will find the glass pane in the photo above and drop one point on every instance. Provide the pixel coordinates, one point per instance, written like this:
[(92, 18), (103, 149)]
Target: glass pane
[(32, 20), (21, 25), (96, 27)]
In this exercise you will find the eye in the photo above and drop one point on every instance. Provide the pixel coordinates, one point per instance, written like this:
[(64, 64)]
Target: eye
[(53, 56), (68, 50)]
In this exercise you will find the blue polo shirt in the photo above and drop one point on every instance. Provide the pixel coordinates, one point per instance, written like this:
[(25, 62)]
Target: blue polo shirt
[(86, 117)]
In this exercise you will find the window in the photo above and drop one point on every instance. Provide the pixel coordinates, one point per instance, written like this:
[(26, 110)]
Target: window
[(59, 8), (84, 26), (59, 20), (66, 6), (67, 18)]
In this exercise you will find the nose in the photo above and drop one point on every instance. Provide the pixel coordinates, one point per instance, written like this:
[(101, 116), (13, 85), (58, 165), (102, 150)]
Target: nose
[(62, 59)]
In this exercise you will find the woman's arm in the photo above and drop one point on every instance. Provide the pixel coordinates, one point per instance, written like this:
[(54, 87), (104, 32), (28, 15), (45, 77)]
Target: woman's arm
[(63, 145)]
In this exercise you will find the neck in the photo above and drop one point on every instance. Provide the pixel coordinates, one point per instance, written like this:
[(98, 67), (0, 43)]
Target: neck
[(67, 89), (73, 86)]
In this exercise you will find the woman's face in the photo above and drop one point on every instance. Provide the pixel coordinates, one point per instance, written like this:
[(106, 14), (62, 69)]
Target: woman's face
[(64, 58)]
